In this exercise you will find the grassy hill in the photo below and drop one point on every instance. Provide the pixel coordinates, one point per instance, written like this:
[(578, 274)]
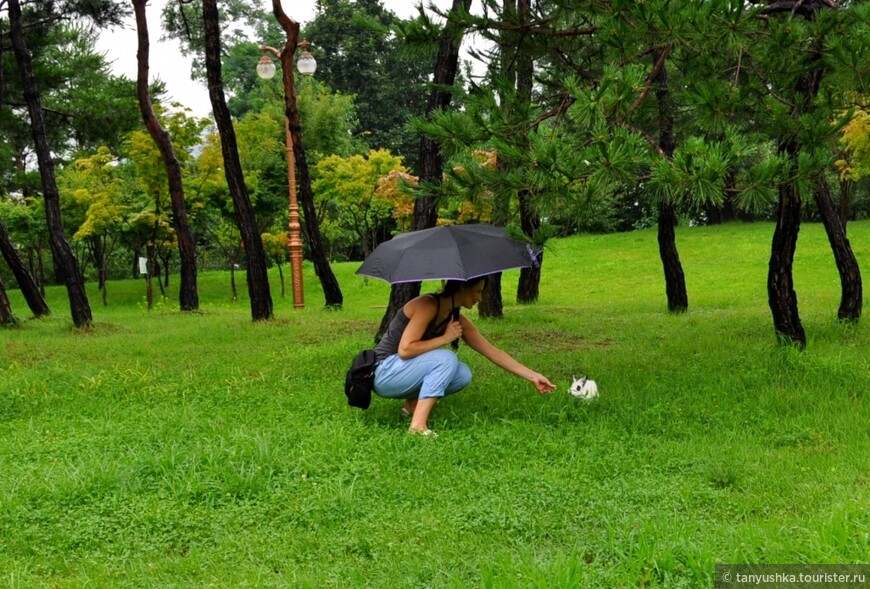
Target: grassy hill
[(205, 450)]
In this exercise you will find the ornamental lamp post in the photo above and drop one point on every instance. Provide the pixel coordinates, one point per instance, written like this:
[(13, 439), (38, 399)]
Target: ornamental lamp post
[(266, 70)]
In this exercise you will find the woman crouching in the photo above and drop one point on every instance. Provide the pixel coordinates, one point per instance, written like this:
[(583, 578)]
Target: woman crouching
[(412, 366)]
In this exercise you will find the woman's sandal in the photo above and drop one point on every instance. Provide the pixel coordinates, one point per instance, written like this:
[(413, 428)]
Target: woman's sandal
[(407, 412), (427, 433)]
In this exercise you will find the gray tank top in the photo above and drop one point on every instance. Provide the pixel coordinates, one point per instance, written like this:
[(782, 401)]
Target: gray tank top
[(389, 343)]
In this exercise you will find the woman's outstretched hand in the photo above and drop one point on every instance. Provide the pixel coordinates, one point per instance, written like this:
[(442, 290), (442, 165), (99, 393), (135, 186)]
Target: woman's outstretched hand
[(543, 384)]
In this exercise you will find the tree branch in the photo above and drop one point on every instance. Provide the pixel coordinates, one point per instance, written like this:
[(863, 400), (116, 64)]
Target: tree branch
[(67, 115), (651, 140), (566, 103), (806, 8), (566, 32), (184, 20), (651, 78), (540, 27), (769, 87)]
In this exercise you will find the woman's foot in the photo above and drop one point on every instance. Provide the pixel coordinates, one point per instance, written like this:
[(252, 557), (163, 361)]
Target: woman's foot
[(420, 419), (428, 433), (408, 407)]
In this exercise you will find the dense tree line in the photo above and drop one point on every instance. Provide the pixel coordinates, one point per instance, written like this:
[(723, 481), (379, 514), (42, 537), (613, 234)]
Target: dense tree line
[(695, 109), (576, 115)]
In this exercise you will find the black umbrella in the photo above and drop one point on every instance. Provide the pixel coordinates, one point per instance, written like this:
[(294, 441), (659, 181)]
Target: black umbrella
[(449, 252)]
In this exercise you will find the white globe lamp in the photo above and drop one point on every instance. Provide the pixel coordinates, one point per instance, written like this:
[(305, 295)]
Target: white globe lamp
[(265, 68)]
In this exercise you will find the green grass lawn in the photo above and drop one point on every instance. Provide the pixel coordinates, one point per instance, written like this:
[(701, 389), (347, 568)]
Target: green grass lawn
[(168, 450)]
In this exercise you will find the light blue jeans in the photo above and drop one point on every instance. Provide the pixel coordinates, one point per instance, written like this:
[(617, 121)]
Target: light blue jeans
[(433, 374)]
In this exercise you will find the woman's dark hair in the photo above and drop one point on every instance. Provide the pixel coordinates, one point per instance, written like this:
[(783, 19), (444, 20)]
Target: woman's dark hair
[(451, 287)]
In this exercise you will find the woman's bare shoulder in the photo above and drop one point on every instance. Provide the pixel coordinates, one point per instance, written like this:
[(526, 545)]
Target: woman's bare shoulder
[(426, 305)]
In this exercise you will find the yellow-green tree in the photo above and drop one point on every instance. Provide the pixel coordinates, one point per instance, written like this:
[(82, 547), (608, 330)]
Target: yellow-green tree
[(262, 155), (277, 248), (392, 187), (855, 163), (347, 193), (150, 172), (855, 141), (94, 193)]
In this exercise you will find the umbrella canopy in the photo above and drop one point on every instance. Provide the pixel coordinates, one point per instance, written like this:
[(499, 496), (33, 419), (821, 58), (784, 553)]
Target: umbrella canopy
[(448, 252)]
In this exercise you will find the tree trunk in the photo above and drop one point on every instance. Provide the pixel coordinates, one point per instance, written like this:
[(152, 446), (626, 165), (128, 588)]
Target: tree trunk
[(280, 276), (149, 276), (431, 162), (845, 190), (528, 287), (6, 316), (675, 279), (726, 212), (491, 304), (850, 275), (780, 283), (165, 260), (529, 284), (134, 268), (29, 288), (94, 246), (31, 262), (158, 271), (851, 297), (188, 294), (99, 256), (333, 297), (782, 297), (40, 270), (64, 261), (257, 275)]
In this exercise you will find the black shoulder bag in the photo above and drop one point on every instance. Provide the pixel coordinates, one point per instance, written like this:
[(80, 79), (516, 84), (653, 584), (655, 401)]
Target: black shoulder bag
[(360, 380)]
